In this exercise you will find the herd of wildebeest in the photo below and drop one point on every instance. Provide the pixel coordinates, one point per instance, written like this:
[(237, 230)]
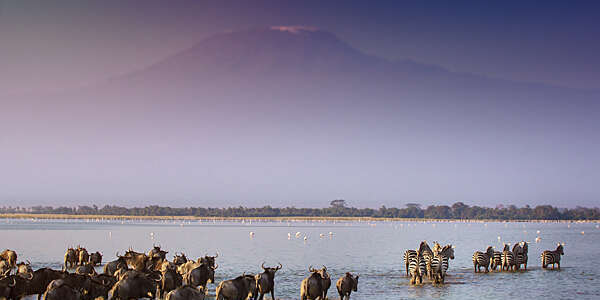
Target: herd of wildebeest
[(136, 275)]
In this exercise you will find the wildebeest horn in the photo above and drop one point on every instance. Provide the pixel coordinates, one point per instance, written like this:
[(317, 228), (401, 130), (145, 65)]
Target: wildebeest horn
[(216, 266), (216, 254), (263, 266), (324, 268), (280, 266), (14, 283), (30, 276), (310, 269)]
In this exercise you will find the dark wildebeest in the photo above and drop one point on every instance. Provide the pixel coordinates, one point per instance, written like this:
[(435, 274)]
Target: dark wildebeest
[(87, 269), (24, 269), (314, 286), (210, 260), (179, 259), (135, 285), (170, 280), (10, 256), (71, 258), (83, 256), (59, 290), (167, 265), (4, 268), (112, 266), (6, 285), (200, 276), (36, 284), (186, 292), (157, 252), (266, 281), (96, 258), (240, 288), (135, 260), (346, 284)]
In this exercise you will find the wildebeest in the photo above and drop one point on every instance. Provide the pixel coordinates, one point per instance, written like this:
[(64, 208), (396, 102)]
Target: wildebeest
[(167, 265), (6, 285), (59, 290), (87, 269), (187, 267), (36, 283), (24, 269), (71, 258), (346, 284), (10, 256), (170, 280), (240, 288), (96, 258), (83, 256), (111, 267), (157, 252), (4, 268), (210, 260), (186, 292), (315, 285), (266, 281), (200, 275), (135, 285), (179, 259), (135, 260)]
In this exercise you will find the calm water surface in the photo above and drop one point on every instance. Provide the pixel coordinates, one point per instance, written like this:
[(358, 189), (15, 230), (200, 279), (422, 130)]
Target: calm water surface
[(374, 250)]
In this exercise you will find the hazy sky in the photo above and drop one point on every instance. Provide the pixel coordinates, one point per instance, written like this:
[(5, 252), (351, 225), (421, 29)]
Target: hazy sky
[(468, 139), (47, 45)]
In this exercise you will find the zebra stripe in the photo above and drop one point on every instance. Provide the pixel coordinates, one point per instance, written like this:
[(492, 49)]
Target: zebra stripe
[(416, 269), (496, 260), (552, 257), (408, 255), (481, 259), (508, 260)]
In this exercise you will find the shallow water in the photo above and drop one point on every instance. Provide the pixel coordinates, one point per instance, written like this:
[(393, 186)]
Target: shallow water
[(372, 249)]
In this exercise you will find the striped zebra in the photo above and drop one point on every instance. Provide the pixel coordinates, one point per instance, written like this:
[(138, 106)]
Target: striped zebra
[(508, 259), (427, 256), (408, 255), (517, 250), (417, 269), (496, 261), (481, 259), (440, 264), (552, 257), (521, 256)]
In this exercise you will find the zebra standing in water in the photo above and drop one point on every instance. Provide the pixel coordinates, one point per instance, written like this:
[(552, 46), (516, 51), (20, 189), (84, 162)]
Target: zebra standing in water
[(440, 264), (427, 256), (508, 258), (521, 257), (496, 260), (517, 250), (482, 259), (552, 257), (408, 255), (417, 269)]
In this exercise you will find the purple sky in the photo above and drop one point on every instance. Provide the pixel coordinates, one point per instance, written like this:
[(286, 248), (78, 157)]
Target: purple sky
[(261, 117)]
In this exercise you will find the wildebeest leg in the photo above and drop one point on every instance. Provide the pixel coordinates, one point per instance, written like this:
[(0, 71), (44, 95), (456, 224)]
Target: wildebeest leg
[(273, 294)]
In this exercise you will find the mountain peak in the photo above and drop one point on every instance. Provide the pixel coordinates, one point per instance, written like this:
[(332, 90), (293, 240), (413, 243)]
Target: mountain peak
[(295, 29)]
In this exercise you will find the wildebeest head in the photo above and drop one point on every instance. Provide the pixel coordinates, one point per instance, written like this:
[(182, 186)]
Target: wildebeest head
[(156, 251), (6, 285), (24, 269), (179, 259), (271, 270), (209, 260), (354, 280)]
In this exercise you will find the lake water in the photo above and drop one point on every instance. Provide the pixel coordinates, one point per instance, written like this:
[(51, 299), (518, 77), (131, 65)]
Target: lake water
[(372, 249)]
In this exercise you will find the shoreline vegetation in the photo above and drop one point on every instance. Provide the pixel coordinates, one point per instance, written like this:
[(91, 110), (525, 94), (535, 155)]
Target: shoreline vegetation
[(267, 219), (337, 211)]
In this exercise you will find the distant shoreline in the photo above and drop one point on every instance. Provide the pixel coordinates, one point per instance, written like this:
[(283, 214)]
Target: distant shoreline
[(298, 218)]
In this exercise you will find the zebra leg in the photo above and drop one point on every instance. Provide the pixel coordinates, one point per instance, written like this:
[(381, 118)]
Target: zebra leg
[(558, 264)]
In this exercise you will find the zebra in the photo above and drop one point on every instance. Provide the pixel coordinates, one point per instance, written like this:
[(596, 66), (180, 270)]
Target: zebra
[(508, 259), (439, 263), (552, 257), (496, 260), (417, 268), (482, 259), (521, 257), (517, 251), (408, 255), (427, 256)]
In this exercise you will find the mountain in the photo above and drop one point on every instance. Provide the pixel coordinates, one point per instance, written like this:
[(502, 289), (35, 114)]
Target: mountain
[(289, 114)]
